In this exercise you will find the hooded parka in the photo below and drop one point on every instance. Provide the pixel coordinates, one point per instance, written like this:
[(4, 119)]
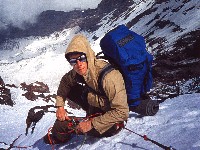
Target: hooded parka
[(115, 107)]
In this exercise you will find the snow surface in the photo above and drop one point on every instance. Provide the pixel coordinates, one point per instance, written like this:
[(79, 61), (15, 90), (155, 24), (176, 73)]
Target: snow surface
[(176, 124), (32, 59)]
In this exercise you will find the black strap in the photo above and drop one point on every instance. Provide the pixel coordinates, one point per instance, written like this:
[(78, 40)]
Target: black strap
[(98, 55), (108, 68), (146, 75)]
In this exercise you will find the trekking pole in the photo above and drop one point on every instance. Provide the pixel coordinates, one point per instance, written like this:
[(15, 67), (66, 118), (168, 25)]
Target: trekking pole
[(152, 141)]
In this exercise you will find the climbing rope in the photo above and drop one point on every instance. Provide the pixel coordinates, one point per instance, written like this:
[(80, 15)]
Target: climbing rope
[(72, 126)]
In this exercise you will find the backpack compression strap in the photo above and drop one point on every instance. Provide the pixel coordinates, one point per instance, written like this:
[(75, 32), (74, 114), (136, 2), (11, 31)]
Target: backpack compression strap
[(146, 76)]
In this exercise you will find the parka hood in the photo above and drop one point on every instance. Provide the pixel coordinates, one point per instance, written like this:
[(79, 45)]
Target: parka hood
[(79, 44)]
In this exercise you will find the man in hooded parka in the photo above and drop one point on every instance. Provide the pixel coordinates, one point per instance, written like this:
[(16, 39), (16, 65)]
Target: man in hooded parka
[(79, 85)]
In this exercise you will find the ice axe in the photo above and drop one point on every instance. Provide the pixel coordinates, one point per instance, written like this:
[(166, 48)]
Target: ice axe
[(152, 141), (148, 139)]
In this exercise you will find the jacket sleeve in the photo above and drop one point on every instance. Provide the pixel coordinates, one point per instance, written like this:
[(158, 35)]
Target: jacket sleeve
[(114, 88), (64, 88)]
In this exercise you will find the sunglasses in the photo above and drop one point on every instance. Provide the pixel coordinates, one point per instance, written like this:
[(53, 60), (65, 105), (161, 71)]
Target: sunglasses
[(81, 58)]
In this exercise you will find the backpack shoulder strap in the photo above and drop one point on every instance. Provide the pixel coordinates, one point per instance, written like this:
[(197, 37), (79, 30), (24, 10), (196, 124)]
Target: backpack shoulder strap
[(106, 69), (146, 75)]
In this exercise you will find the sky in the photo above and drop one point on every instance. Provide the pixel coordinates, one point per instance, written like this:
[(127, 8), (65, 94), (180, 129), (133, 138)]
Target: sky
[(17, 12)]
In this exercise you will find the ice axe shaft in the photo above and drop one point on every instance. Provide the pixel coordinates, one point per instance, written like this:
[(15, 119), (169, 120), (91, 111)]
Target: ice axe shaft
[(152, 141)]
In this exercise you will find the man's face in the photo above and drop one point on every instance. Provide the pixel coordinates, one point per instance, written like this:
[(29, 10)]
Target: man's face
[(79, 63)]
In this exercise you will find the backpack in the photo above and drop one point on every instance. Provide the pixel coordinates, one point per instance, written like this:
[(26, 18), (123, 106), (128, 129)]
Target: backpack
[(126, 51)]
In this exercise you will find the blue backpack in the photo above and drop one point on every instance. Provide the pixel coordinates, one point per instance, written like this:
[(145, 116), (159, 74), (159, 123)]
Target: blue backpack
[(126, 51)]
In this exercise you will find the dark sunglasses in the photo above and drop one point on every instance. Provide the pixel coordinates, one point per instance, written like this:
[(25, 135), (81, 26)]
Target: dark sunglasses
[(81, 58)]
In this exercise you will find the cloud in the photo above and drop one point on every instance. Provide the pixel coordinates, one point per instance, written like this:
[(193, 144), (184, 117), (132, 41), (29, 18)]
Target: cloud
[(16, 12)]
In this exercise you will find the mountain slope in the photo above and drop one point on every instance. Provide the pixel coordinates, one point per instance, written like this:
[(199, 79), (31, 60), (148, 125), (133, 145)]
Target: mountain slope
[(171, 31), (168, 127)]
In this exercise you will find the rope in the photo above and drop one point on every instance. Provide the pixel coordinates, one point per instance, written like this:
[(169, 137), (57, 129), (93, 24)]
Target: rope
[(12, 145), (50, 129), (152, 141), (73, 130), (49, 137), (84, 140), (73, 125)]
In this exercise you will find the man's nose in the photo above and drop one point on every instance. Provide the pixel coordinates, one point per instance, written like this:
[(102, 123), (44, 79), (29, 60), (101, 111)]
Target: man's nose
[(78, 63)]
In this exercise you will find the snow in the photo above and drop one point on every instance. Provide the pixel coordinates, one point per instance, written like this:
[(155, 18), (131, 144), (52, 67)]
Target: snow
[(32, 59), (176, 124)]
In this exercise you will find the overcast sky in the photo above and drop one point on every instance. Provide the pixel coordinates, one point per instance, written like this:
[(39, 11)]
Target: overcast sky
[(18, 11)]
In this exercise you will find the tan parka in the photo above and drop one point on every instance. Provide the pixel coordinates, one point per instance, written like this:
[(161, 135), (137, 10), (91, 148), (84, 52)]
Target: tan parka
[(115, 107)]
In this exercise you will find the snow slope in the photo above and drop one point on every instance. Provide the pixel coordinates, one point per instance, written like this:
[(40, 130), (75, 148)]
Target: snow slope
[(177, 124)]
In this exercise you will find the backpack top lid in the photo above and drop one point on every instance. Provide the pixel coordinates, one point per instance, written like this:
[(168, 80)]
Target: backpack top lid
[(124, 46)]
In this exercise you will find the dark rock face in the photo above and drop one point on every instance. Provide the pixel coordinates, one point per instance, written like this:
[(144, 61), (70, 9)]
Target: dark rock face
[(36, 87), (183, 62), (33, 91), (36, 90), (5, 95)]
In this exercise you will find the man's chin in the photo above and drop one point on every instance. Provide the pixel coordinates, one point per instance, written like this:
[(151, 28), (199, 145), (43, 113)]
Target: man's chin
[(81, 73)]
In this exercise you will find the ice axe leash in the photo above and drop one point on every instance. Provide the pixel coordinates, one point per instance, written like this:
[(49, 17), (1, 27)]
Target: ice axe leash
[(148, 139)]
